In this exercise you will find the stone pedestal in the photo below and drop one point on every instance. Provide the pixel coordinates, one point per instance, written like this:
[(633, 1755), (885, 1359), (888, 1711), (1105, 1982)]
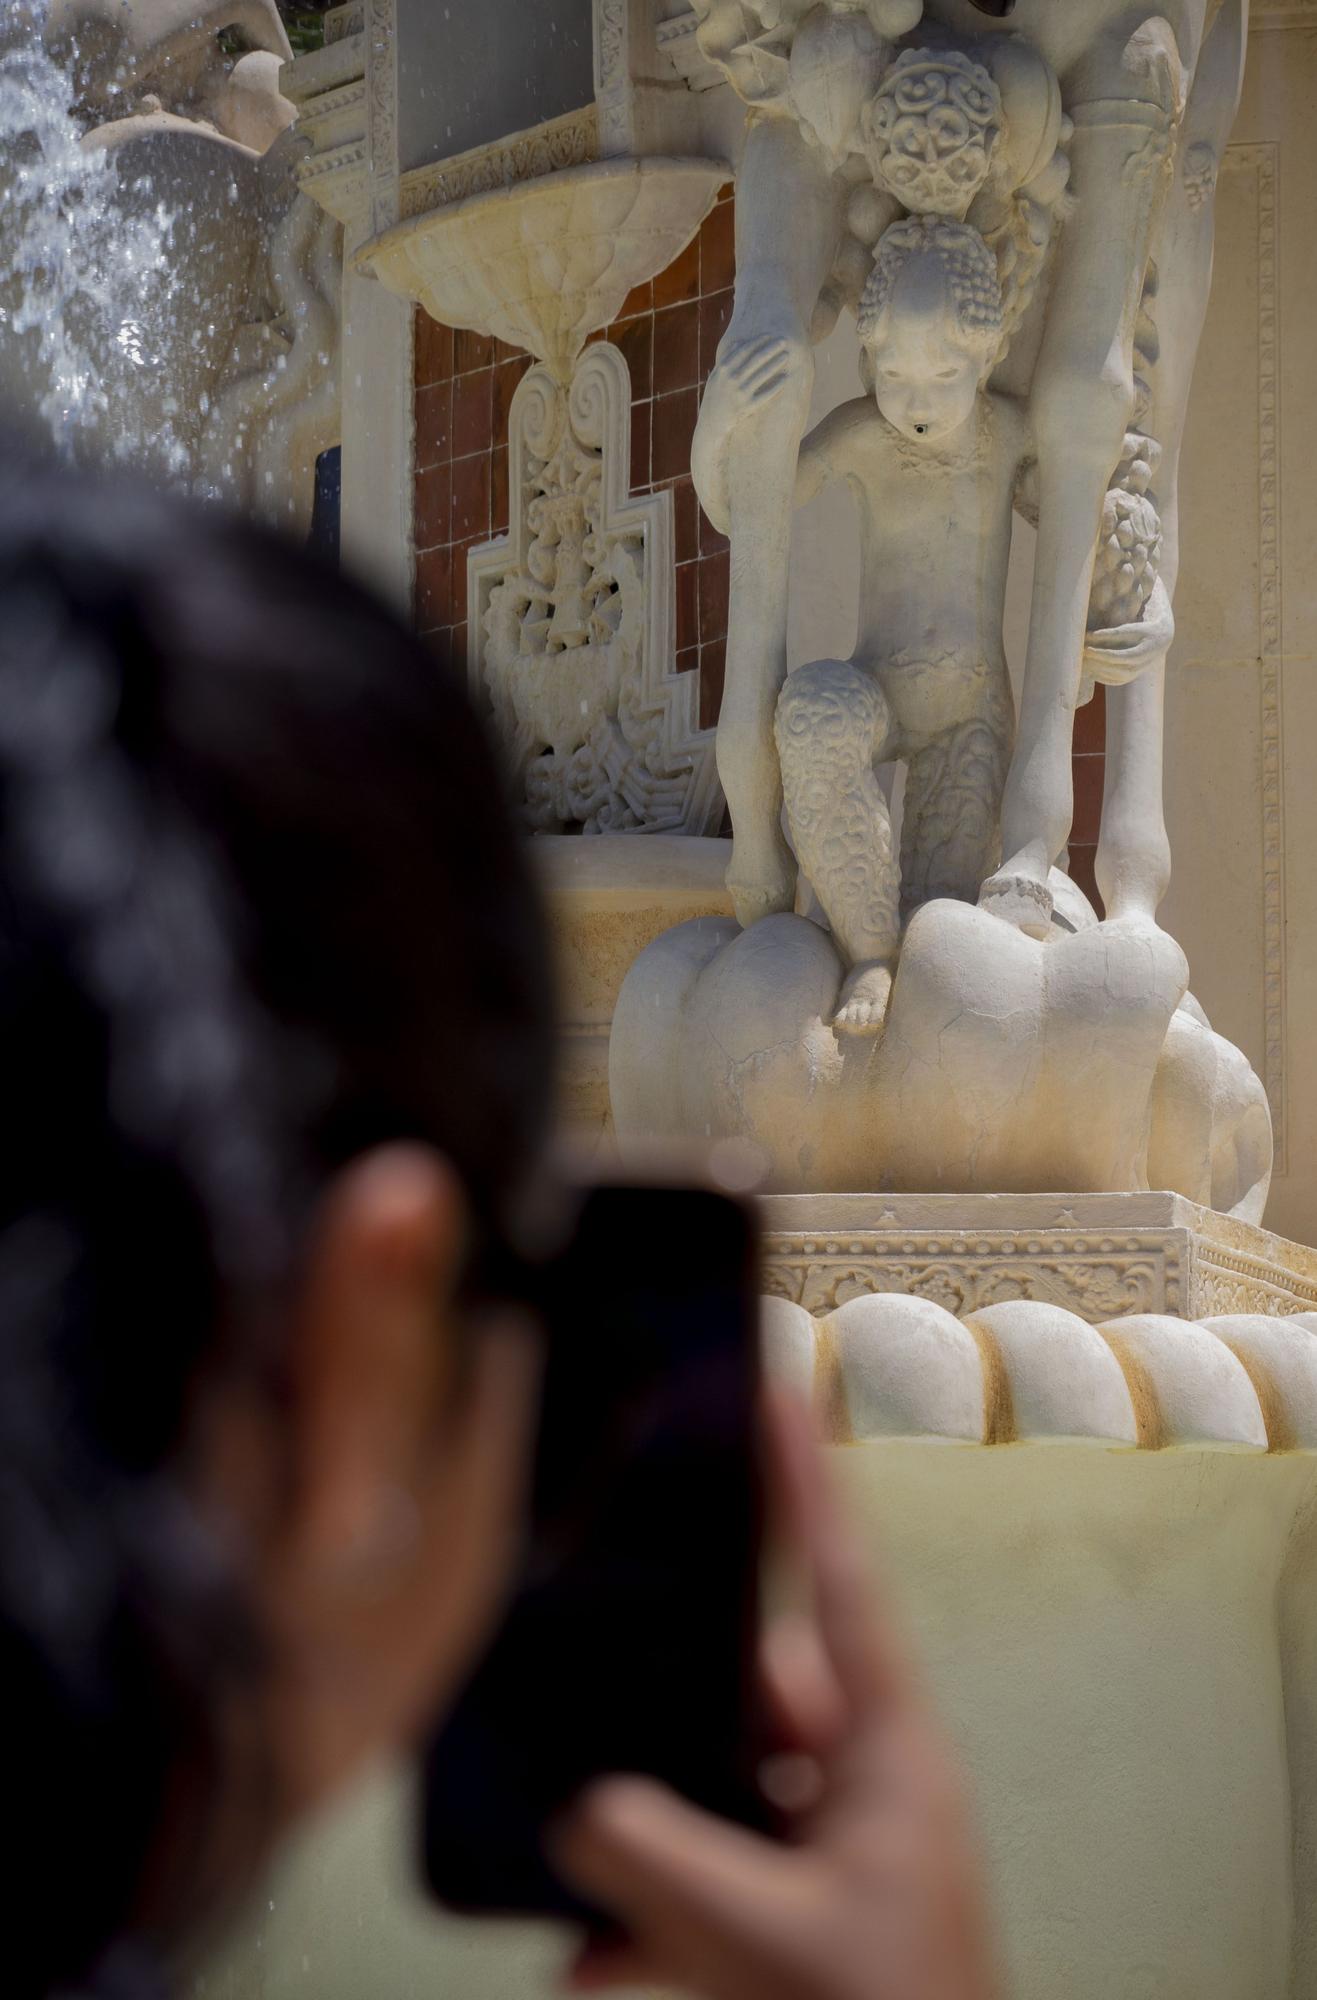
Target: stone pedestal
[(1100, 1257)]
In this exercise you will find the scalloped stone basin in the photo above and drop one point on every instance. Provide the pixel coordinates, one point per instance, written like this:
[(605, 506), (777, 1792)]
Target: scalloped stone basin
[(547, 262)]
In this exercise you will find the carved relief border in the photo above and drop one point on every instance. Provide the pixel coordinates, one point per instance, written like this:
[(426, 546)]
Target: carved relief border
[(1096, 1276), (569, 141), (382, 112), (1263, 161)]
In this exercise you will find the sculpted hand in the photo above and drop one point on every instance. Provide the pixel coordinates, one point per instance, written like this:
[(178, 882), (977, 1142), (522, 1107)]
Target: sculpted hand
[(878, 1895), (750, 374)]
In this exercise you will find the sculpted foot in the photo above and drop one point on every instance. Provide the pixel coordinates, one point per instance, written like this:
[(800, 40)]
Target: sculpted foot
[(1020, 900), (865, 995)]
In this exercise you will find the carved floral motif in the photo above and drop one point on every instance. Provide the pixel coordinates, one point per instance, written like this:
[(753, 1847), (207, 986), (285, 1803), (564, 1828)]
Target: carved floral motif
[(574, 612)]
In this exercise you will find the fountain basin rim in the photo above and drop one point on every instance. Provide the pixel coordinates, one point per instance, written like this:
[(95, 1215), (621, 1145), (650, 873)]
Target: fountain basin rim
[(715, 173)]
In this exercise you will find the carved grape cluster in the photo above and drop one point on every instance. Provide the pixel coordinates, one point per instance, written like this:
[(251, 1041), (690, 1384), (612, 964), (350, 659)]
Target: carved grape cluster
[(1128, 560), (971, 270), (932, 129)]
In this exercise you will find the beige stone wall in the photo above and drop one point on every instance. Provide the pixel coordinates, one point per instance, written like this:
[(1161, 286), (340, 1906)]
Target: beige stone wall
[(1124, 1644), (1242, 692)]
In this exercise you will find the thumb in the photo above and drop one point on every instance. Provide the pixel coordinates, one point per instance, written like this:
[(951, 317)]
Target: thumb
[(693, 1889)]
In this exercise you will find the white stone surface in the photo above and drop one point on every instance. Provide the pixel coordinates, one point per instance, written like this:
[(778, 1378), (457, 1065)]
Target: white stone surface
[(884, 1366), (1004, 1063), (544, 263), (1098, 1257)]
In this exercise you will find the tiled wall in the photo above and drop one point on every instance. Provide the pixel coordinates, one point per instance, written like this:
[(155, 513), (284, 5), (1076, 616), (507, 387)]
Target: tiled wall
[(1089, 766), (669, 332)]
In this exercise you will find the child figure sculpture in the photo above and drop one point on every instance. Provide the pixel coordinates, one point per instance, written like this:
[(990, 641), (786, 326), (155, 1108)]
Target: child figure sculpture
[(934, 459)]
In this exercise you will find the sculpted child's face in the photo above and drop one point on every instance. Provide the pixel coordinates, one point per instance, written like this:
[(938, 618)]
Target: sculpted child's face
[(926, 377)]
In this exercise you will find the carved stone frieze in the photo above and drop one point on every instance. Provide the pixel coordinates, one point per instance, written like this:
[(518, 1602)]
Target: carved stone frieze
[(1099, 1256), (572, 622), (569, 141)]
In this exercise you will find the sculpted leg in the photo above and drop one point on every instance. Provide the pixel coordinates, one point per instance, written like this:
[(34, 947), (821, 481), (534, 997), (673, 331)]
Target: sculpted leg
[(1083, 398), (1134, 856), (788, 221), (832, 720), (951, 831)]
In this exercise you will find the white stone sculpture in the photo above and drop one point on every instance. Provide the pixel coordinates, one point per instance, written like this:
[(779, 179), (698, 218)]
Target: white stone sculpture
[(1047, 1051), (1004, 1063), (191, 292), (572, 614), (573, 619)]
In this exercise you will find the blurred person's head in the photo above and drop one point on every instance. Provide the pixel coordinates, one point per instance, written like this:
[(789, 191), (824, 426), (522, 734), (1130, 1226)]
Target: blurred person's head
[(275, 1048)]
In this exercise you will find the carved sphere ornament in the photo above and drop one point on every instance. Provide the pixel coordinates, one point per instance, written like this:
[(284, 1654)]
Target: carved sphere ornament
[(932, 129)]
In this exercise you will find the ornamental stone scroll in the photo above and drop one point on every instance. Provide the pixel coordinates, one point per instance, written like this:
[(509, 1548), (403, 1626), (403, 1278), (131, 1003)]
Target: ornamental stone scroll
[(572, 621)]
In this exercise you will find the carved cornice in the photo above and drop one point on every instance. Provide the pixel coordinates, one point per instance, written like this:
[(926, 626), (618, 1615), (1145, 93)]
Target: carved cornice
[(1097, 1256), (329, 89), (570, 141)]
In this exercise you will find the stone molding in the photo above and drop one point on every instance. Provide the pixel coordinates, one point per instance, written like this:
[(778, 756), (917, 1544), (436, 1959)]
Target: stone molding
[(329, 89), (887, 1368), (1098, 1257), (569, 141)]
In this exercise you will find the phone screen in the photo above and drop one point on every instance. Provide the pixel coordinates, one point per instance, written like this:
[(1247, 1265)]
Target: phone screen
[(630, 1645)]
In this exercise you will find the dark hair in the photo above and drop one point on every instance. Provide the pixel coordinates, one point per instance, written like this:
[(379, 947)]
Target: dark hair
[(261, 906)]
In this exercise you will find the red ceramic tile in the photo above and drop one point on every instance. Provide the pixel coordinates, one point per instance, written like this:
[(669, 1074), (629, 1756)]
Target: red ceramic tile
[(677, 348), (674, 427), (433, 352), (715, 312), (640, 300), (635, 339), (688, 606), (726, 192), (459, 643), (718, 250), (434, 589), (459, 581), (506, 377), (471, 351), (498, 491), (681, 280), (473, 412), (689, 661), (434, 425), (471, 491), (715, 583), (712, 540), (685, 521), (713, 665), (434, 513), (640, 446), (1088, 799), (502, 352), (1081, 874), (1091, 723)]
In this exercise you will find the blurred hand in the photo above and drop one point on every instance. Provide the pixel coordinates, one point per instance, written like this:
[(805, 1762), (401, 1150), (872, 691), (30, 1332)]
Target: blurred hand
[(878, 1895)]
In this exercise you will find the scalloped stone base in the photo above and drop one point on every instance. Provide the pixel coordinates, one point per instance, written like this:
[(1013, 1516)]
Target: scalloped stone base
[(1100, 1256)]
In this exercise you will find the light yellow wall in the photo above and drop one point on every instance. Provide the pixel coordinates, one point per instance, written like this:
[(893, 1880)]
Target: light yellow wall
[(1242, 692), (1124, 1645)]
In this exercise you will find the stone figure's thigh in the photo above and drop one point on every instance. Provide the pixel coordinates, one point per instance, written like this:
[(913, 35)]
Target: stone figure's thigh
[(951, 830)]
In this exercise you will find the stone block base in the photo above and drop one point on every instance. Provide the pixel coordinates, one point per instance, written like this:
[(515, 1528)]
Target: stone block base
[(1101, 1257)]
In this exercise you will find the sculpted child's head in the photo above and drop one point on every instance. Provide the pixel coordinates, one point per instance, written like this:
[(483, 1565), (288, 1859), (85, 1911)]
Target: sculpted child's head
[(931, 325)]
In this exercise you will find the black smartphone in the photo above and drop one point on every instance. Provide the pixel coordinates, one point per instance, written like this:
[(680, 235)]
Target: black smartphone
[(631, 1642)]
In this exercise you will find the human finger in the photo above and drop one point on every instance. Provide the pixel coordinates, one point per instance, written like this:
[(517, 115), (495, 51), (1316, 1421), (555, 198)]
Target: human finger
[(684, 1885), (861, 1648)]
